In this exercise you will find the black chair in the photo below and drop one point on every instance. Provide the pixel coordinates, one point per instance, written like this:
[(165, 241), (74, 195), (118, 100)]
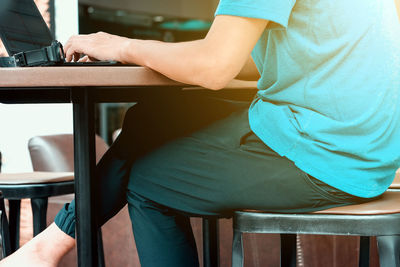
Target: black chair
[(43, 183), (4, 230), (380, 218), (37, 186), (55, 153)]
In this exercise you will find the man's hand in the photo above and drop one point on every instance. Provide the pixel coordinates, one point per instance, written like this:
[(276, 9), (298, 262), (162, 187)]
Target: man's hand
[(96, 46)]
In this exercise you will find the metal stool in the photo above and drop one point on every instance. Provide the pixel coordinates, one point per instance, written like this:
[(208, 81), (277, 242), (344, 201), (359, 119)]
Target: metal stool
[(380, 218), (288, 241)]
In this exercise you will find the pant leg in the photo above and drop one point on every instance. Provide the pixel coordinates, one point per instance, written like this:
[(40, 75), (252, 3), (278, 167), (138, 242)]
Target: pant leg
[(112, 173), (165, 238), (212, 172), (146, 126)]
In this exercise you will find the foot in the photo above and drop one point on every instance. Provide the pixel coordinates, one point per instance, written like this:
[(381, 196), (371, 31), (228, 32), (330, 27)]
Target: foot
[(28, 255), (44, 250)]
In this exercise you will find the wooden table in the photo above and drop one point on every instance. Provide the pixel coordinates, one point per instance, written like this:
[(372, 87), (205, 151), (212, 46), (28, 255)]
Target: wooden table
[(83, 87)]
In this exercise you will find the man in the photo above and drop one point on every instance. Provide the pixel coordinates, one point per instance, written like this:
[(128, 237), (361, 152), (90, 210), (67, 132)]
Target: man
[(322, 131)]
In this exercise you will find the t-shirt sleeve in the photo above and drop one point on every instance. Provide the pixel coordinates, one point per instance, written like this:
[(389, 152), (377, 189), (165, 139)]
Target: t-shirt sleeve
[(277, 11)]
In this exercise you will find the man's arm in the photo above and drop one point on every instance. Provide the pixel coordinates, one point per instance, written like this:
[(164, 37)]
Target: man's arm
[(211, 62)]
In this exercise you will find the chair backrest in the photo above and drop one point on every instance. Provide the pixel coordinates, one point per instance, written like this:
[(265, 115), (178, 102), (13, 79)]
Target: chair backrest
[(56, 152)]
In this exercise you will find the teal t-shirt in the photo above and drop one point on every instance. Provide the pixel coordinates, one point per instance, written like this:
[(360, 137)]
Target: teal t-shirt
[(329, 90)]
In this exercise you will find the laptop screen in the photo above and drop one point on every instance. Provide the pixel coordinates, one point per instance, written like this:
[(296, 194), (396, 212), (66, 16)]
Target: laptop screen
[(22, 28)]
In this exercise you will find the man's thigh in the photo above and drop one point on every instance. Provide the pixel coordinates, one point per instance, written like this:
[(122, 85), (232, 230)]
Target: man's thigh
[(220, 168)]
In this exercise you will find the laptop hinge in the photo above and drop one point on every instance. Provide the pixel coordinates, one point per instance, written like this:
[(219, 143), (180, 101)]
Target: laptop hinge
[(50, 55)]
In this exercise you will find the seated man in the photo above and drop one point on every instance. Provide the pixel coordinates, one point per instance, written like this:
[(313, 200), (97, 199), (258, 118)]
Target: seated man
[(322, 131)]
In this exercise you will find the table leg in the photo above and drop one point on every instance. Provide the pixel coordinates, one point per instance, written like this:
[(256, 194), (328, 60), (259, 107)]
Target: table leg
[(84, 153)]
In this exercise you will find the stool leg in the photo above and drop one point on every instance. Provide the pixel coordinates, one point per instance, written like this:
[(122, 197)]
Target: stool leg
[(39, 212), (237, 249), (389, 250), (288, 250), (14, 219), (210, 242), (5, 234), (364, 252)]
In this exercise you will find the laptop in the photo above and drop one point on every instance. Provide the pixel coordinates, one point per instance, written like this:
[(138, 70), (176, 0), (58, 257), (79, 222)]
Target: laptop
[(22, 28)]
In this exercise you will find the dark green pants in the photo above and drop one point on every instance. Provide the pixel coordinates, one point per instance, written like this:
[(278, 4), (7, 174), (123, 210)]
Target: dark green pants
[(194, 156)]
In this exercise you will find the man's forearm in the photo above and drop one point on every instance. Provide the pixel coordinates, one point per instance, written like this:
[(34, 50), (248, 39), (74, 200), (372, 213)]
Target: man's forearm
[(188, 62)]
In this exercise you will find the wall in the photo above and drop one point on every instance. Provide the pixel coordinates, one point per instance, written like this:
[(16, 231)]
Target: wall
[(20, 122)]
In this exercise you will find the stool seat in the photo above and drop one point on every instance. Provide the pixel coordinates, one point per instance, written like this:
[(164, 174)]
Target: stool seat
[(385, 209), (388, 203), (16, 186), (35, 177), (36, 184), (396, 181)]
